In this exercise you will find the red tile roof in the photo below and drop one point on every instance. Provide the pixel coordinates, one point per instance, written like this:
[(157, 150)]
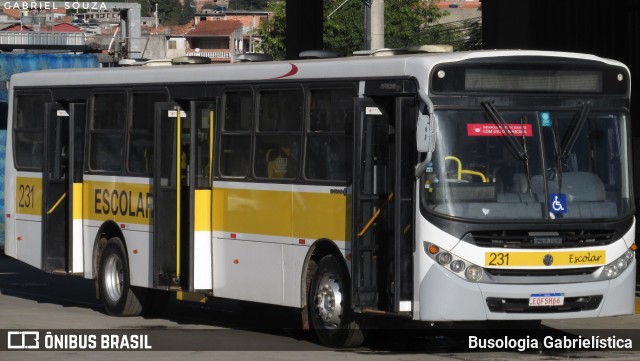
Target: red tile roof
[(215, 28), (64, 27), (171, 29), (16, 27)]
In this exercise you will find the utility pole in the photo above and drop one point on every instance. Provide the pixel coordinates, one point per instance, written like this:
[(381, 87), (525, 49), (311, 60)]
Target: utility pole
[(376, 27)]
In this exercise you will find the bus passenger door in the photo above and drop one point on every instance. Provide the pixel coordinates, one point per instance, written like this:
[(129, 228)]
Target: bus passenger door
[(55, 210), (182, 195), (77, 124), (382, 241), (203, 120), (169, 177)]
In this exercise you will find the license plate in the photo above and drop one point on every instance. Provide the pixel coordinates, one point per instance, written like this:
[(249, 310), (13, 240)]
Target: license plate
[(546, 299)]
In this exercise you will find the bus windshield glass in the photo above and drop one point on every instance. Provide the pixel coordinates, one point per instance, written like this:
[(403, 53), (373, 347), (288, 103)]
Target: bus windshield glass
[(544, 165)]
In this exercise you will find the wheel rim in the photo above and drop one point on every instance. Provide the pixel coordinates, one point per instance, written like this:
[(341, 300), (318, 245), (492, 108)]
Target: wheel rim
[(329, 301), (113, 277)]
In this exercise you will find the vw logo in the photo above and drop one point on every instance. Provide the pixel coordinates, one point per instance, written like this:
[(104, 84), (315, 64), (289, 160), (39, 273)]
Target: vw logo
[(547, 260)]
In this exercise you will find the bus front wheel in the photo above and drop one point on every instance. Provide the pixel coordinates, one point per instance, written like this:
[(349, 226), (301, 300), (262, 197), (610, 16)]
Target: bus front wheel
[(329, 306), (117, 295)]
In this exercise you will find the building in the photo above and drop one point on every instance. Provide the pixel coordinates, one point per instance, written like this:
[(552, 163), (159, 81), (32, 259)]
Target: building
[(218, 35)]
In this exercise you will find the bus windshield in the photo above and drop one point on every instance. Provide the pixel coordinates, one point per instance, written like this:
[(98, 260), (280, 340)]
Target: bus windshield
[(529, 165)]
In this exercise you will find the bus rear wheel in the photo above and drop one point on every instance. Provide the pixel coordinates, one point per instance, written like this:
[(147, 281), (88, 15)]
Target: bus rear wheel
[(329, 306), (117, 295)]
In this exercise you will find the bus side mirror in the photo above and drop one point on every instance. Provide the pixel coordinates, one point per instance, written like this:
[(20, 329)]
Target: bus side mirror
[(426, 133)]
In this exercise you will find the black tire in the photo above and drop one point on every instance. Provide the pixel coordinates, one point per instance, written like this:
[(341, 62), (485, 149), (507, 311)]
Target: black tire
[(329, 308), (116, 293)]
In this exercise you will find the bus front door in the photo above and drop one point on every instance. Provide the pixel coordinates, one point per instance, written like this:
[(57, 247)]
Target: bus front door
[(382, 243), (62, 188)]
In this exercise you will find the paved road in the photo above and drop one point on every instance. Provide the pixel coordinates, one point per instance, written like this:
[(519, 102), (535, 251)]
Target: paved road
[(34, 300)]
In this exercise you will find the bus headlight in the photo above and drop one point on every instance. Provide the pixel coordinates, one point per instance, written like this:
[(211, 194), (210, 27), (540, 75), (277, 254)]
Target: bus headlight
[(461, 268), (457, 266), (615, 268), (473, 273), (444, 258)]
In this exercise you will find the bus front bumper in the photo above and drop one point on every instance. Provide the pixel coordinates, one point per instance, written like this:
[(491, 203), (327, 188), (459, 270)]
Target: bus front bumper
[(446, 297)]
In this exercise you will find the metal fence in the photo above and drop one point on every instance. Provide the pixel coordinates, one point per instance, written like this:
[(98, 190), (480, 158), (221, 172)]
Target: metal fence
[(42, 38)]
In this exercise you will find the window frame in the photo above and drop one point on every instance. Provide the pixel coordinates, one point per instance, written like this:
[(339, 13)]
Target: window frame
[(221, 132), (131, 93), (348, 132), (18, 130), (299, 133), (91, 131)]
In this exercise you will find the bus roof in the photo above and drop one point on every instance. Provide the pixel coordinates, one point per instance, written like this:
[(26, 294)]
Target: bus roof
[(417, 65)]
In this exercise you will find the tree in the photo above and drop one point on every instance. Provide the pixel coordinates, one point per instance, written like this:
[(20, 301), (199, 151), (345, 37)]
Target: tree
[(407, 22), (170, 12), (272, 32)]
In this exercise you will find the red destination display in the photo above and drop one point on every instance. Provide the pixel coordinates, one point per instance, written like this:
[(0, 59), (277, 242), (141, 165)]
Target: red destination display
[(492, 130)]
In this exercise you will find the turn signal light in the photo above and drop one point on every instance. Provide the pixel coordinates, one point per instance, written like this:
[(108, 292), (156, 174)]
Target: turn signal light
[(433, 249)]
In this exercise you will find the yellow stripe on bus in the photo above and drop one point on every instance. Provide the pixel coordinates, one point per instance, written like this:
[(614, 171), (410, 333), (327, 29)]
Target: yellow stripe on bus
[(29, 196), (280, 213), (202, 211), (564, 258), (120, 202), (77, 201)]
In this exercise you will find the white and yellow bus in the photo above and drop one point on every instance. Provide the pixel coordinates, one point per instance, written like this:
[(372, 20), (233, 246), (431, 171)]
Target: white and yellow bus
[(472, 186)]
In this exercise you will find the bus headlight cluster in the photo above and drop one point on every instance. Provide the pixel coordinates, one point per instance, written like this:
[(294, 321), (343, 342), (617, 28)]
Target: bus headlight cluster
[(458, 266), (615, 268)]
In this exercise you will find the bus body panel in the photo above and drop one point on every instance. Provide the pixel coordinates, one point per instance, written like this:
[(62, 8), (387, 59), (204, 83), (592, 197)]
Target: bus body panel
[(275, 220), (247, 270), (202, 253), (28, 245), (127, 201), (25, 198), (77, 233), (445, 297)]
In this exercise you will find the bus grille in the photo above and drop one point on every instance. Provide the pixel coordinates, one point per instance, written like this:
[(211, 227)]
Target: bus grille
[(541, 272), (532, 240), (521, 305)]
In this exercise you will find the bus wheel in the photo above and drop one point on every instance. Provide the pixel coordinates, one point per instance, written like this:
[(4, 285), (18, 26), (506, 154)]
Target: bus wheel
[(329, 306), (117, 295)]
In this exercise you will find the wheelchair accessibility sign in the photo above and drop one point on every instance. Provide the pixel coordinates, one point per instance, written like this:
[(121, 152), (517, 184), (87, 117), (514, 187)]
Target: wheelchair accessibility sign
[(558, 203)]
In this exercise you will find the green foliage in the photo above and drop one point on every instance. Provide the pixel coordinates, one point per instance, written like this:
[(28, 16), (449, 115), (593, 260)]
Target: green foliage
[(344, 30), (170, 12), (272, 32), (407, 22)]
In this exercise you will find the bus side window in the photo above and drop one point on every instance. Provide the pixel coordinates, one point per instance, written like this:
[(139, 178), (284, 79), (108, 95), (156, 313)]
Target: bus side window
[(328, 135), (235, 134), (106, 142), (140, 137), (278, 134)]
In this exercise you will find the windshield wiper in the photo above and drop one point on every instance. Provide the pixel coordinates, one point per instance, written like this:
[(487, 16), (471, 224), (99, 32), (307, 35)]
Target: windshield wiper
[(519, 150), (574, 130), (563, 151)]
